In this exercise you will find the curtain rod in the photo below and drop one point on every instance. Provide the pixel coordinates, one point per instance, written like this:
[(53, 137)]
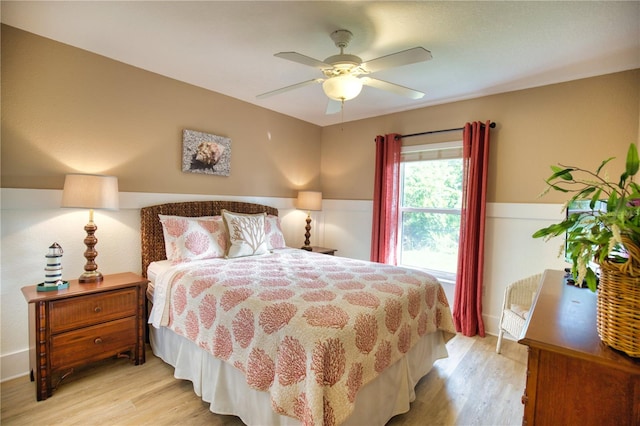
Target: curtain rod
[(492, 125)]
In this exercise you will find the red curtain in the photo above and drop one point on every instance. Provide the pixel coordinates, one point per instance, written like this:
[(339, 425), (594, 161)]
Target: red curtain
[(386, 199), (467, 309)]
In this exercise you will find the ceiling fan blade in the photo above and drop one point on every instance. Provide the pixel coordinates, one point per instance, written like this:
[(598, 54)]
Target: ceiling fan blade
[(333, 107), (390, 87), (398, 59), (287, 88), (302, 59)]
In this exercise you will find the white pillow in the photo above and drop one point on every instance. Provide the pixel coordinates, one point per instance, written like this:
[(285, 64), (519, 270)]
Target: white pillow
[(193, 238), (273, 232), (246, 234)]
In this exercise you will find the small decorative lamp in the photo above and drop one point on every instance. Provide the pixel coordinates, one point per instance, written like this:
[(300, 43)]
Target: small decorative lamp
[(309, 200), (91, 192)]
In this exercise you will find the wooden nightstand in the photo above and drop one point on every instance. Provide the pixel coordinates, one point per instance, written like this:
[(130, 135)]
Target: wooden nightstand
[(323, 250), (82, 324)]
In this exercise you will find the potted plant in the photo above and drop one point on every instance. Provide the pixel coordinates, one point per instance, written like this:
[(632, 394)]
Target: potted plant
[(606, 237), (597, 234)]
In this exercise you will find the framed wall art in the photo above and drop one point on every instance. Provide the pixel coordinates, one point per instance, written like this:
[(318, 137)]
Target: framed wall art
[(205, 153)]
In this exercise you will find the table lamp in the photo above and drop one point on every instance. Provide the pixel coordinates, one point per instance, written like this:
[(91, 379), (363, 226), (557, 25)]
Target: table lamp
[(309, 200), (91, 192)]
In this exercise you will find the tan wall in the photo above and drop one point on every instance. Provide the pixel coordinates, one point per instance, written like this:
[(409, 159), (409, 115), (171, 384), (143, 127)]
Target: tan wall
[(67, 110), (581, 123)]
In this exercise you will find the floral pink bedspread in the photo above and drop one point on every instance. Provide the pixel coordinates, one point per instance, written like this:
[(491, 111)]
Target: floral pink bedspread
[(311, 329)]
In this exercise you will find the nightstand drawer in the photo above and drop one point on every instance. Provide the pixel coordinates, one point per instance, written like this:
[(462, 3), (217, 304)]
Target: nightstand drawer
[(67, 314), (92, 343)]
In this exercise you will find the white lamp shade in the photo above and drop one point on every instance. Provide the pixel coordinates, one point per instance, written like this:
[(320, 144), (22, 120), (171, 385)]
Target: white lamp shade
[(342, 87), (90, 191), (310, 200)]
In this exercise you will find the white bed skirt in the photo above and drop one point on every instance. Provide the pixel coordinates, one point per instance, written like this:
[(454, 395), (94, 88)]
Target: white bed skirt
[(225, 387)]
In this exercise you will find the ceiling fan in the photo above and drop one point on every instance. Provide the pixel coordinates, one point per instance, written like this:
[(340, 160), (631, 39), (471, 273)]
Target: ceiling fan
[(345, 74)]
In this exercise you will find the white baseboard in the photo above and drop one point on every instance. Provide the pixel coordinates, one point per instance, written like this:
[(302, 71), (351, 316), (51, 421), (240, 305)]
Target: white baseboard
[(14, 365), (491, 324)]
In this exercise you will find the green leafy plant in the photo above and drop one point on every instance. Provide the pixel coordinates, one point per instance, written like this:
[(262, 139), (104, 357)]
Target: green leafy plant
[(609, 229)]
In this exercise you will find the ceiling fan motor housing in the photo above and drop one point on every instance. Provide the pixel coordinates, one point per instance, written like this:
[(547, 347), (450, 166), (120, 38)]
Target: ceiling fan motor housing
[(341, 64)]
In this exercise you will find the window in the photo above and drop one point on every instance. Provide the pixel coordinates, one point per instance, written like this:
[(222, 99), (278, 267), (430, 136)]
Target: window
[(430, 202)]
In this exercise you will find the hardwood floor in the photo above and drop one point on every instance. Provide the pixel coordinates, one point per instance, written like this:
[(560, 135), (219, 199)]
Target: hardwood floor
[(474, 386)]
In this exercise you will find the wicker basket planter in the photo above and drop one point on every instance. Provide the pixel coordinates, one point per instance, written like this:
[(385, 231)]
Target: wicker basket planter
[(618, 310)]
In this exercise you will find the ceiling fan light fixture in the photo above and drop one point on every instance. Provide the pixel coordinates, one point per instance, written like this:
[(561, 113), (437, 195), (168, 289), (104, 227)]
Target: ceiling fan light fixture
[(342, 87)]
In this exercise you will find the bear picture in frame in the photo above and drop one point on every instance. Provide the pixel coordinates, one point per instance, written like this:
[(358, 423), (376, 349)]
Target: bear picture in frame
[(205, 153)]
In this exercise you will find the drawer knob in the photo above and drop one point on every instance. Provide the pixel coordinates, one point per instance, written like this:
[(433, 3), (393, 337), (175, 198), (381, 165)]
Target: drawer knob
[(97, 309), (97, 341)]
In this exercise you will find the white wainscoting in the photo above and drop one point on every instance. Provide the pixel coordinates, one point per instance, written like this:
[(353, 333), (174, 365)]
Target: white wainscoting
[(511, 253), (31, 220)]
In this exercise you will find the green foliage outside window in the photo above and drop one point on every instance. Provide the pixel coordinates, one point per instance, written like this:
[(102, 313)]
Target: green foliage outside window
[(434, 185)]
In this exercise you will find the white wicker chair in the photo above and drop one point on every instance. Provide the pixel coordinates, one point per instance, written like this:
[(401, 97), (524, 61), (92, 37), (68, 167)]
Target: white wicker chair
[(518, 298)]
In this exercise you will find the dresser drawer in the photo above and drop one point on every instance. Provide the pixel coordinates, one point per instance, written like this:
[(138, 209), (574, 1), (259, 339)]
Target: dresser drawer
[(68, 314), (93, 343)]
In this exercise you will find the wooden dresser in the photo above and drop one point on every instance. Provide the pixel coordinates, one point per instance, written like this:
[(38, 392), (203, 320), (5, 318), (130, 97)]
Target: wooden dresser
[(84, 323), (572, 377)]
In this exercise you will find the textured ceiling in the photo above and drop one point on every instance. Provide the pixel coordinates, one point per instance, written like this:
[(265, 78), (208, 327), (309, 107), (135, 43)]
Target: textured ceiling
[(478, 48)]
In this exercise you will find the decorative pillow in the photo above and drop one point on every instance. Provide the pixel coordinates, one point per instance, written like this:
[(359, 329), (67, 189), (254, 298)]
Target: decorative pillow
[(193, 238), (273, 232), (246, 234)]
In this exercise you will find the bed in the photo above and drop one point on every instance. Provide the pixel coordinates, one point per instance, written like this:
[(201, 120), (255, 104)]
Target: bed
[(286, 336)]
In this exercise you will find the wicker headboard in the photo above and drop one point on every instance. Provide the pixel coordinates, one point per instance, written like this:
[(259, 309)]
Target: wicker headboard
[(151, 228)]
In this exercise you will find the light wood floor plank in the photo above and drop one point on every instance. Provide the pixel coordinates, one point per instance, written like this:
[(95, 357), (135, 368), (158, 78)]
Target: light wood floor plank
[(474, 386)]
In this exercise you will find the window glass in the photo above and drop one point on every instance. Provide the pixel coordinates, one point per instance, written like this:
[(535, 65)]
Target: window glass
[(429, 220)]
